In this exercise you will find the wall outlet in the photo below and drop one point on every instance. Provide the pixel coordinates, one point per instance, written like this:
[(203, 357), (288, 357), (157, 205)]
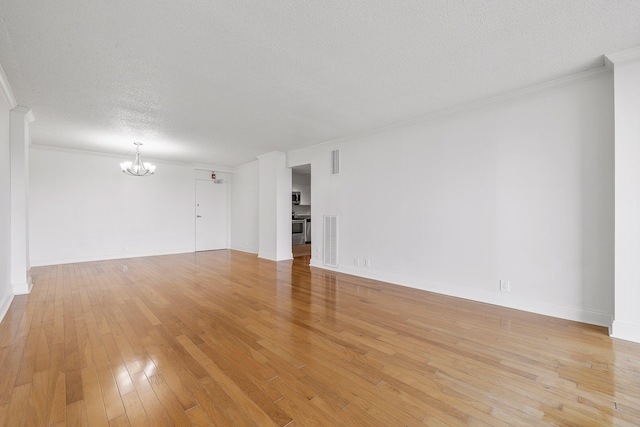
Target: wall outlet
[(126, 248), (356, 262), (504, 286), (367, 262)]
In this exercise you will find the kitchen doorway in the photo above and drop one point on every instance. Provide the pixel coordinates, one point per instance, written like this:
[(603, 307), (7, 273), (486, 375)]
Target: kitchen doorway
[(301, 211)]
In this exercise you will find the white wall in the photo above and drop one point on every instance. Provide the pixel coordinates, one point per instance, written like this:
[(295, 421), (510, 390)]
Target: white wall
[(82, 207), (244, 207), (274, 209), (519, 189), (6, 292), (627, 194)]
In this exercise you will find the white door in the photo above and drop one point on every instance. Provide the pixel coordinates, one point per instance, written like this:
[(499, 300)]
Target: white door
[(211, 216)]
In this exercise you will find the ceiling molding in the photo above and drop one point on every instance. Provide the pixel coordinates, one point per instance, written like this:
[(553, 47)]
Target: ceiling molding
[(5, 88), (622, 57), (212, 168), (26, 112), (29, 117), (270, 154), (121, 156), (476, 105), (245, 165)]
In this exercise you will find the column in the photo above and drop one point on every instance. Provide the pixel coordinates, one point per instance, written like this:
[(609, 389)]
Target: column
[(20, 267), (626, 78), (274, 210)]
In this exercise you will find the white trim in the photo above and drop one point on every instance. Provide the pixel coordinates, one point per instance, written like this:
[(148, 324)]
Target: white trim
[(623, 57), (23, 288), (246, 249), (194, 166), (4, 305), (274, 257), (267, 255), (98, 153), (625, 331), (475, 105), (26, 112), (212, 168), (246, 165), (577, 314), (104, 257), (5, 88), (270, 154)]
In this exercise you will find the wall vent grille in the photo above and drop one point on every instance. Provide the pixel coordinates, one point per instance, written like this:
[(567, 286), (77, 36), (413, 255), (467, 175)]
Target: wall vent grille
[(330, 240), (335, 162)]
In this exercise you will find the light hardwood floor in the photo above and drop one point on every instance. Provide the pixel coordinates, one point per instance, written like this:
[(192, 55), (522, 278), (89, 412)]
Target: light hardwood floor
[(224, 338), (301, 250)]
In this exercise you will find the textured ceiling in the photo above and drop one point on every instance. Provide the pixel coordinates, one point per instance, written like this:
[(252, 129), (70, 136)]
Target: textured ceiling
[(220, 82)]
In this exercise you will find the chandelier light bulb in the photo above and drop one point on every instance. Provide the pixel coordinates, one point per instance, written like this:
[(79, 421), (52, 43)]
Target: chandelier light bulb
[(138, 167)]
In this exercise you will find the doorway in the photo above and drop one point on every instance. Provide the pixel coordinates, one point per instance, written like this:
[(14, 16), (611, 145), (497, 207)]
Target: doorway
[(301, 210), (212, 229)]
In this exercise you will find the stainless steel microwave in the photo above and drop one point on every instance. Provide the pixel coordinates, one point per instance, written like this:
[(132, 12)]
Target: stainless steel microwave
[(295, 198)]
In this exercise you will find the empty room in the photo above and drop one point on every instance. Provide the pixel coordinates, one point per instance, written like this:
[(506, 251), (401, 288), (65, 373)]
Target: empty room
[(296, 213)]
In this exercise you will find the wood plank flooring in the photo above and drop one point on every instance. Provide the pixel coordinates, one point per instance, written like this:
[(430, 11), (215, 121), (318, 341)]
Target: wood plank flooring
[(301, 250), (224, 338)]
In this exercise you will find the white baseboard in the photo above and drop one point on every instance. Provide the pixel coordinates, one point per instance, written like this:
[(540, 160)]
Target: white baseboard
[(104, 257), (274, 257), (625, 331), (247, 249), (5, 303), (578, 314), (22, 288), (267, 255)]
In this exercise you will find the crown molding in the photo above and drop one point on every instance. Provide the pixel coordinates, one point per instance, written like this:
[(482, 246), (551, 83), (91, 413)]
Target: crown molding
[(29, 117), (195, 166), (5, 88), (78, 151), (245, 165), (622, 57), (26, 112), (475, 105), (117, 156), (211, 168), (271, 154)]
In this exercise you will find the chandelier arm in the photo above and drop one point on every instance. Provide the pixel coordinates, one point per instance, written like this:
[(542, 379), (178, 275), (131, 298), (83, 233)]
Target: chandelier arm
[(137, 168)]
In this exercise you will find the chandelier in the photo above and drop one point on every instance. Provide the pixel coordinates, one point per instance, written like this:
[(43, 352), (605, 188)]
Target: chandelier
[(137, 168)]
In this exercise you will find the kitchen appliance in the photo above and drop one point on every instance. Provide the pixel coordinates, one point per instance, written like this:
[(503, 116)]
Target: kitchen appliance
[(307, 237), (295, 197), (298, 231)]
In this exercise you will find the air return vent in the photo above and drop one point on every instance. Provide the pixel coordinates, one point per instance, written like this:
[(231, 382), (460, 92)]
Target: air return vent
[(335, 162), (331, 240)]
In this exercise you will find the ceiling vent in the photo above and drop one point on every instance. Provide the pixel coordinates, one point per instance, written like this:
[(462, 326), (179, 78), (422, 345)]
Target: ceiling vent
[(330, 240), (335, 162)]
